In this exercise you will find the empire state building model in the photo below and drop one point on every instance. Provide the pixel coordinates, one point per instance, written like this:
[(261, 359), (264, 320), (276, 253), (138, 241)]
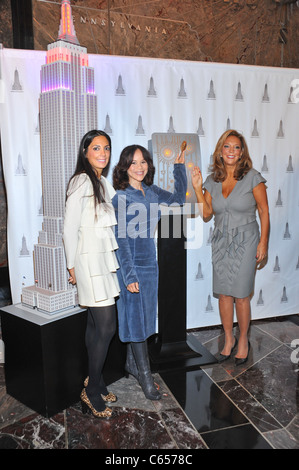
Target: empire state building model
[(68, 109)]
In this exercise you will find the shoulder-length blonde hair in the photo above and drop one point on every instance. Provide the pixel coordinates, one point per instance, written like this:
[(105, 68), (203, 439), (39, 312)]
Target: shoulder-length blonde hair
[(244, 164)]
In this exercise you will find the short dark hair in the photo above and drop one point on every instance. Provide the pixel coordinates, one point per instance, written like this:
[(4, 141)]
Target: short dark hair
[(120, 175)]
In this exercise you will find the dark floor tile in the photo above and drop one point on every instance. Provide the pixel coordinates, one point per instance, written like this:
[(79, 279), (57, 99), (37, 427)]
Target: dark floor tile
[(207, 407), (238, 437), (204, 335), (254, 411), (284, 329), (11, 410), (35, 432), (274, 382), (293, 429), (250, 407), (181, 430), (8, 441), (127, 429), (282, 439), (261, 344)]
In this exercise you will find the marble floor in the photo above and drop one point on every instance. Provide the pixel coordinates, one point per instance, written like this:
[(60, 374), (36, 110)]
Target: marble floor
[(218, 406)]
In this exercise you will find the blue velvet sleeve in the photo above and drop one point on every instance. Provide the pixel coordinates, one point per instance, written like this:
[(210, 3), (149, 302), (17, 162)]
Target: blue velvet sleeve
[(124, 253), (180, 187)]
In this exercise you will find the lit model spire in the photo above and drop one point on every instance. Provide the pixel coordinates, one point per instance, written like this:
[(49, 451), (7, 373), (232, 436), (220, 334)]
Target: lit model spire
[(66, 28)]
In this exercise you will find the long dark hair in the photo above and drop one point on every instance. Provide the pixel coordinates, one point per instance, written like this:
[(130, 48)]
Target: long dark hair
[(120, 175), (83, 165), (244, 164)]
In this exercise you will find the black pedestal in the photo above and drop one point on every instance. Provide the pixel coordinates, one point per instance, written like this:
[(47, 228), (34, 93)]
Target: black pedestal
[(170, 348), (46, 359)]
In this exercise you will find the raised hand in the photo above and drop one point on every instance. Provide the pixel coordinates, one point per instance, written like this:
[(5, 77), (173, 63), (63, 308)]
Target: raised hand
[(196, 178)]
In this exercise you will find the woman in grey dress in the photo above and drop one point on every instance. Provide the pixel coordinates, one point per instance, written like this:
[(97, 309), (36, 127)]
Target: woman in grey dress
[(232, 193)]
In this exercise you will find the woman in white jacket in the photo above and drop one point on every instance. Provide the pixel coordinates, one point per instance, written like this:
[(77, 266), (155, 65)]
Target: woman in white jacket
[(90, 252)]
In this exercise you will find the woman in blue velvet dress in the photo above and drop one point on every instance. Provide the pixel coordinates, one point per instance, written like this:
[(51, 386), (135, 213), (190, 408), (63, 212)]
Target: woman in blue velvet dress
[(136, 206)]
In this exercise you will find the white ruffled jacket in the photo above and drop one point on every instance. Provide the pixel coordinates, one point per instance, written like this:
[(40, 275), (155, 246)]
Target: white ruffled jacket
[(90, 242)]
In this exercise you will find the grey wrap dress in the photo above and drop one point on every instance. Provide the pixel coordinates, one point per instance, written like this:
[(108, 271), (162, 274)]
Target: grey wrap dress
[(235, 237)]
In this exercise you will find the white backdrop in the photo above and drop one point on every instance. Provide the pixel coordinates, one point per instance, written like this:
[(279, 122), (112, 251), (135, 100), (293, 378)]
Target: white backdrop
[(138, 97)]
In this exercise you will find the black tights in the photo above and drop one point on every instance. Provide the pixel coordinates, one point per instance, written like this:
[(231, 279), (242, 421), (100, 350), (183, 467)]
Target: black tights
[(100, 329)]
